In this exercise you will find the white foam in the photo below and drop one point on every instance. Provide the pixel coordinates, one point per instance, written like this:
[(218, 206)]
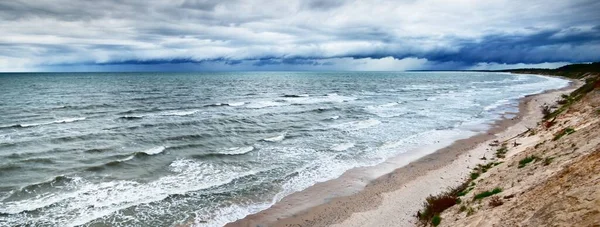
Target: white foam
[(236, 103), (386, 110), (84, 201), (342, 146), (497, 104), (357, 125), (60, 121), (155, 150), (275, 138), (262, 104), (179, 113), (334, 117), (126, 159), (69, 120), (237, 150), (389, 104)]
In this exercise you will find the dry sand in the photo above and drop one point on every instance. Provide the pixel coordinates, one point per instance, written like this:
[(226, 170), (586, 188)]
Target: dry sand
[(560, 188), (394, 198)]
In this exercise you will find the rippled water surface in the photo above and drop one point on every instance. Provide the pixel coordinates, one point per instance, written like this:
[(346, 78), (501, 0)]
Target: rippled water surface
[(155, 149)]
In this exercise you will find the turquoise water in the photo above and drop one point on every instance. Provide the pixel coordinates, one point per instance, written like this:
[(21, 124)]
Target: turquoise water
[(156, 149)]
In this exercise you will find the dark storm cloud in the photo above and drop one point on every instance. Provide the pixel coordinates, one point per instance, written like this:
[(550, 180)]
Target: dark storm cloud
[(295, 34)]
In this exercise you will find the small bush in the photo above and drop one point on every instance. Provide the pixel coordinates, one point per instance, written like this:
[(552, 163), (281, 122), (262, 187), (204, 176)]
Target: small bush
[(436, 220), (501, 153), (487, 193), (563, 132), (464, 192), (496, 201), (434, 205), (527, 160), (470, 211), (462, 209)]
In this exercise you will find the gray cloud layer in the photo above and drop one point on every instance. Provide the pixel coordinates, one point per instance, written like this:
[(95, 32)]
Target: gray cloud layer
[(294, 34)]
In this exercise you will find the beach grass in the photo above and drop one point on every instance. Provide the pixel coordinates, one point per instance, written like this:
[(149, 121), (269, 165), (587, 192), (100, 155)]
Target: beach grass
[(487, 193), (523, 162)]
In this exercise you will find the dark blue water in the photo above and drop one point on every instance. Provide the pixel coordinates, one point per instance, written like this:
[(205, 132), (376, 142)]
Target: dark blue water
[(155, 149)]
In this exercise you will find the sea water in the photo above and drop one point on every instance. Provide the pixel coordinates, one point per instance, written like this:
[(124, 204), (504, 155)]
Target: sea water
[(205, 149)]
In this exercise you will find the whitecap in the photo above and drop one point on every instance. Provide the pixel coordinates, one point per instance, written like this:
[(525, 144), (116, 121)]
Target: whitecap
[(275, 138), (126, 159), (86, 201), (69, 120), (496, 104), (342, 146), (180, 113), (237, 150), (334, 117), (155, 150), (389, 104), (262, 104), (356, 125), (236, 103)]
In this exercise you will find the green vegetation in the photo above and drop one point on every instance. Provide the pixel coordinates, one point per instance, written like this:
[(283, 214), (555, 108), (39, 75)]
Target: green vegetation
[(578, 94), (434, 205), (527, 160), (484, 168), (470, 211), (574, 71), (501, 152), (474, 175), (563, 132), (436, 220), (487, 193)]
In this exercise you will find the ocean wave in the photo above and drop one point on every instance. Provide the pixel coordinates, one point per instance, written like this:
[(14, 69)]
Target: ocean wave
[(154, 150), (110, 164), (60, 121), (275, 138), (232, 151), (131, 117), (9, 167), (342, 146), (179, 113), (386, 110), (263, 104), (357, 125), (496, 104), (236, 150), (295, 96), (233, 104), (86, 201)]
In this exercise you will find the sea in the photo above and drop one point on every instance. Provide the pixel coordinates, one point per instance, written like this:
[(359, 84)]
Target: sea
[(205, 149)]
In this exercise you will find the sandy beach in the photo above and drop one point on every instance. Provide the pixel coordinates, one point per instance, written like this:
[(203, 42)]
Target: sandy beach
[(386, 195)]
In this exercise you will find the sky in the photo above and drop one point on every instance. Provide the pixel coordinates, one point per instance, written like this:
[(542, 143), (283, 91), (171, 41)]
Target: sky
[(232, 35)]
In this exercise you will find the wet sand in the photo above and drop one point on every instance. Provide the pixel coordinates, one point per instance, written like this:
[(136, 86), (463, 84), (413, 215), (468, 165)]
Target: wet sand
[(388, 195)]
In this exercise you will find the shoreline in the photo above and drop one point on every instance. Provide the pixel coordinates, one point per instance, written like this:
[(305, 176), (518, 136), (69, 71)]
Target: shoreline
[(362, 196)]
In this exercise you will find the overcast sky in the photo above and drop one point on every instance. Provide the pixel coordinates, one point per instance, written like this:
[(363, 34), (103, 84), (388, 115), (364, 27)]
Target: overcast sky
[(184, 35)]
